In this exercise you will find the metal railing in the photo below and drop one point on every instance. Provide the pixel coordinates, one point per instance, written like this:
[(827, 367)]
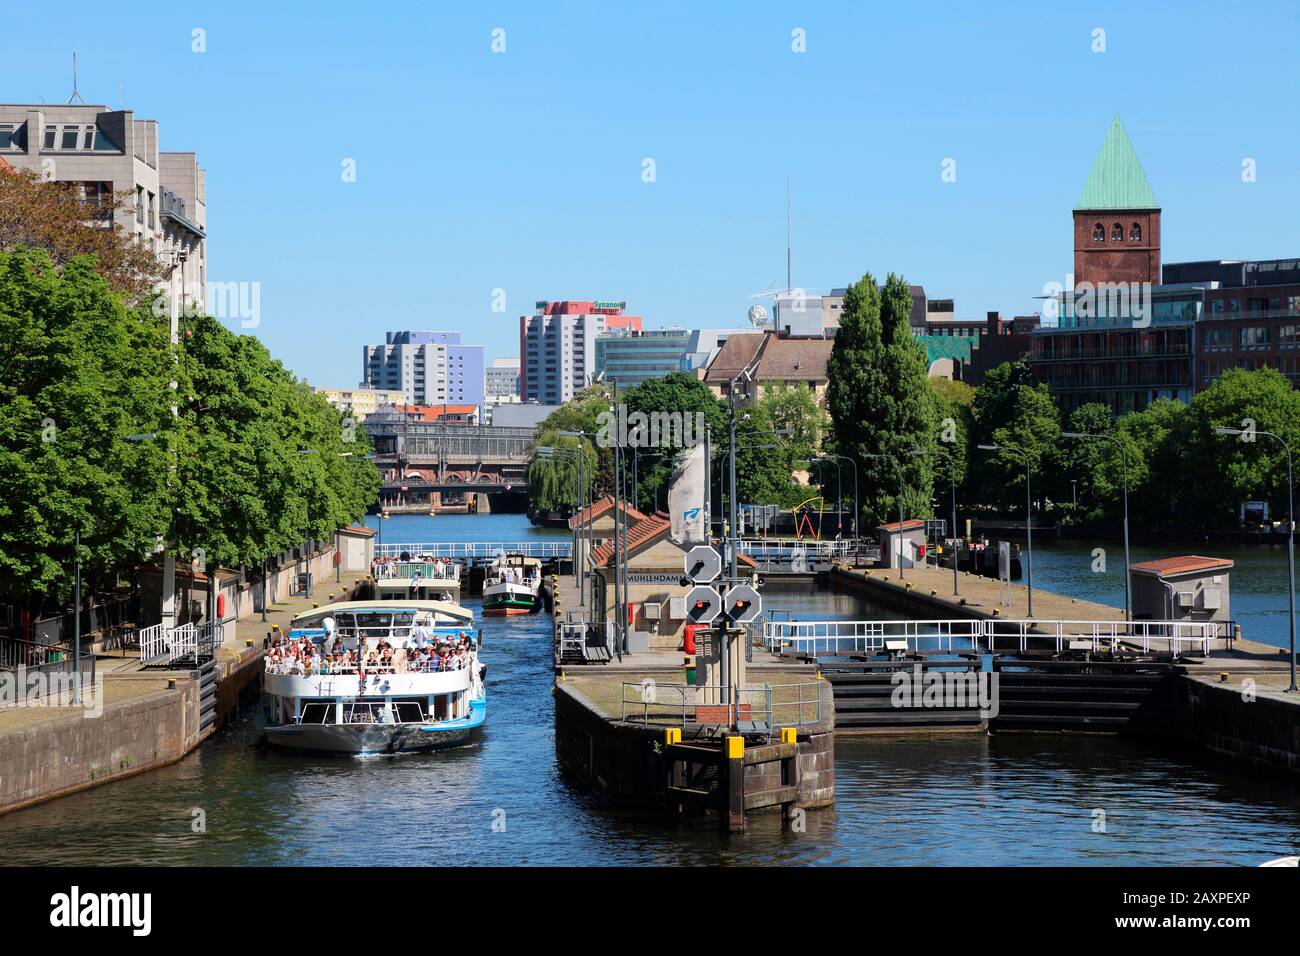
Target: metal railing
[(424, 570), (52, 678), (200, 640), (574, 636), (984, 635), (676, 705), (477, 549)]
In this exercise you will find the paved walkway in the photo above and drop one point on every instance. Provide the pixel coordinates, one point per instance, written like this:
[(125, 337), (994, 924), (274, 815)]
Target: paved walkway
[(281, 613)]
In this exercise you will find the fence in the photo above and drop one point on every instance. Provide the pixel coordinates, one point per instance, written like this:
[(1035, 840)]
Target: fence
[(980, 635), (676, 705), (157, 642), (36, 671), (475, 549)]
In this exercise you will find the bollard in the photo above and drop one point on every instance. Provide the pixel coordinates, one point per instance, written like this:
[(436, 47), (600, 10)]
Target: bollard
[(171, 683), (672, 735), (1223, 677), (735, 783), (789, 735)]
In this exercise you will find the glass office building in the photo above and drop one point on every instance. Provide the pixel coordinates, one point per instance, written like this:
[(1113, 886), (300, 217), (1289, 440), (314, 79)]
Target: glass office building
[(632, 358)]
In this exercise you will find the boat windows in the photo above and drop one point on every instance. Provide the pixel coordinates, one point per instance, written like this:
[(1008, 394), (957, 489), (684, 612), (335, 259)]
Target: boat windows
[(317, 712)]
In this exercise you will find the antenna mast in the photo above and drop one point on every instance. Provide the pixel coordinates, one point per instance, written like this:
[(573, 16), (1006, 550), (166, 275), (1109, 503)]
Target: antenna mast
[(789, 285), (75, 95)]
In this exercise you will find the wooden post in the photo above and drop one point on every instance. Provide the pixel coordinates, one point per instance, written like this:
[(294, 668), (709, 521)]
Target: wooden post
[(734, 815)]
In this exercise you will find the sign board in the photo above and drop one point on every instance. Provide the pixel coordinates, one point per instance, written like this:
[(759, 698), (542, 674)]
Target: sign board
[(702, 564), (703, 604), (742, 604)]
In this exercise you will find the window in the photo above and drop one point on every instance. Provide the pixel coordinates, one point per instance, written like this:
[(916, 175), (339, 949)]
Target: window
[(1216, 340), (1117, 233), (1255, 337), (1135, 232), (9, 136), (1099, 233), (1288, 337)]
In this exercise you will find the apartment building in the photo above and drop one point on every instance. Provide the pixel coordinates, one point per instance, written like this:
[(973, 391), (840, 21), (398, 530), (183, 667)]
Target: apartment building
[(429, 368), (361, 403), (557, 346), (107, 152)]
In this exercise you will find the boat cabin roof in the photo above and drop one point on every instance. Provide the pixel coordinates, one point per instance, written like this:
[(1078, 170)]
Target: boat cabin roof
[(441, 608)]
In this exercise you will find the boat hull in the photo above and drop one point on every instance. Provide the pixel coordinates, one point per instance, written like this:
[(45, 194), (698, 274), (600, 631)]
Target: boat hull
[(378, 739)]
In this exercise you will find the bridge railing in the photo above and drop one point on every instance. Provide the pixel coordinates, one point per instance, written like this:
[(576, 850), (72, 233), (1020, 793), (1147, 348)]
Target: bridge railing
[(476, 549), (977, 635)]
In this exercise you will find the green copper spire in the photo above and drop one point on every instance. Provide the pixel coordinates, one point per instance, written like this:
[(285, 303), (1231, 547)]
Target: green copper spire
[(1117, 180)]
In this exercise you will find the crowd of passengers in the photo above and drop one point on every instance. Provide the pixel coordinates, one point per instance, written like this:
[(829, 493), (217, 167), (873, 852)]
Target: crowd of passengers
[(426, 654), (387, 567)]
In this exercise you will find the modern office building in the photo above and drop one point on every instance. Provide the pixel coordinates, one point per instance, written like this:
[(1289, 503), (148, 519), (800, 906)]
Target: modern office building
[(557, 346), (361, 402), (635, 356), (106, 153), (429, 368), (1130, 332)]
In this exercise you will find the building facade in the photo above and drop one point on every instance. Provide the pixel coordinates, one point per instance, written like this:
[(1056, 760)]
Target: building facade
[(360, 403), (634, 357), (429, 368), (557, 346), (501, 382), (106, 153)]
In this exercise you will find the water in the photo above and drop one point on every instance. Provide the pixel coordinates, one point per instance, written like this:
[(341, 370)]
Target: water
[(964, 799)]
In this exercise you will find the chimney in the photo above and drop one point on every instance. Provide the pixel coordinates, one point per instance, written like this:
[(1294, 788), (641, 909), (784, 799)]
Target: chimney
[(994, 323)]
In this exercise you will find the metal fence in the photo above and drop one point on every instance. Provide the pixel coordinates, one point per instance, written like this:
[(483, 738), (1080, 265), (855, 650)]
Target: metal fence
[(476, 549), (676, 705), (981, 635), (36, 671), (200, 640)]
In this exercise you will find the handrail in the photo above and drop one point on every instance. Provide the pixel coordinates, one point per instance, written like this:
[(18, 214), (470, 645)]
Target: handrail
[(980, 634), (559, 548), (761, 701)]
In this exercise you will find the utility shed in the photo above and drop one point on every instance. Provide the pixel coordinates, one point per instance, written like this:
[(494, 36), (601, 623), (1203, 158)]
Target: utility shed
[(1185, 588), (911, 543)]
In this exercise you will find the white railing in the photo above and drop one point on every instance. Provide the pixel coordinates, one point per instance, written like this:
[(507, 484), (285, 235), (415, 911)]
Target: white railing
[(153, 642), (571, 637), (980, 635), (423, 570), (476, 549)]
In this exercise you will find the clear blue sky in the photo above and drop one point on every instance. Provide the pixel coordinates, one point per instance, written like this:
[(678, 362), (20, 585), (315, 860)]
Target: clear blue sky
[(522, 170)]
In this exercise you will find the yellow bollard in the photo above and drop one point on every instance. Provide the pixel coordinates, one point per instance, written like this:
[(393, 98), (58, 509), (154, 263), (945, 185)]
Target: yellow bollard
[(735, 747), (789, 735), (672, 735)]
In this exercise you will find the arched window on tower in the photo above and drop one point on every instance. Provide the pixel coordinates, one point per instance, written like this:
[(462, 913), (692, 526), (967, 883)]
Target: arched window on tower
[(1117, 233), (1099, 233), (1135, 233)]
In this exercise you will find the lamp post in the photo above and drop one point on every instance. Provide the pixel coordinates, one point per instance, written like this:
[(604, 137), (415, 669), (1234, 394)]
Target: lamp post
[(1123, 455), (1290, 538), (547, 453), (890, 458), (952, 476), (1029, 517), (590, 532), (853, 527)]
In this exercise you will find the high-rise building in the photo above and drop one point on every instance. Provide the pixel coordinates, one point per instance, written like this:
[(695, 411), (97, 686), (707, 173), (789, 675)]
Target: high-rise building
[(106, 153), (361, 402), (429, 368), (557, 346)]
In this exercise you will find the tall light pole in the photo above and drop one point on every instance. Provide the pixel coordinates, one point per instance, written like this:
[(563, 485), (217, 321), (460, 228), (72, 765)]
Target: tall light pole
[(1029, 515), (547, 452), (856, 510), (1123, 456), (1290, 538), (897, 465), (952, 476)]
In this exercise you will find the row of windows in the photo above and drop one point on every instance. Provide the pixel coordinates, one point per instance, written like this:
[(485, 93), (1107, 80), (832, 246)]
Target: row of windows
[(77, 136), (1117, 233), (1249, 339), (1289, 305)]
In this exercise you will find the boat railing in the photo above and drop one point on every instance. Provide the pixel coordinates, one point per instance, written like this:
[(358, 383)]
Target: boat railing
[(294, 667), (424, 570), (765, 706)]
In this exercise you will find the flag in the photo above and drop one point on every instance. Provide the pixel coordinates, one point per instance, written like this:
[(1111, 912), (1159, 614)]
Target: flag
[(686, 498)]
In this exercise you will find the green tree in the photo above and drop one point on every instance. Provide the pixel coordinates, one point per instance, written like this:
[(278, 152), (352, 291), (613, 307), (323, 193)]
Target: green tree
[(79, 372), (879, 399)]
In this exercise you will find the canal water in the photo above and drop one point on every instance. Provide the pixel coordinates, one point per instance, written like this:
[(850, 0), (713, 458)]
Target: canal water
[(961, 799)]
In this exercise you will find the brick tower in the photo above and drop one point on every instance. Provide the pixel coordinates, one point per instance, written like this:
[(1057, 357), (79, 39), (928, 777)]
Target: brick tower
[(1117, 219)]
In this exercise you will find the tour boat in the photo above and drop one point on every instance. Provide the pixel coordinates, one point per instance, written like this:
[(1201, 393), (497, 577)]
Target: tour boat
[(400, 707), (421, 577), (512, 585)]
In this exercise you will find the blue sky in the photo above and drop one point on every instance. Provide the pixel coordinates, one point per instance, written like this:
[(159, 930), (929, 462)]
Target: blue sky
[(522, 170)]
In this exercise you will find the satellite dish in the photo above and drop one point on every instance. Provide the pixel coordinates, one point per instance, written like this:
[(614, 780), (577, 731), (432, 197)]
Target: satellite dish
[(757, 316)]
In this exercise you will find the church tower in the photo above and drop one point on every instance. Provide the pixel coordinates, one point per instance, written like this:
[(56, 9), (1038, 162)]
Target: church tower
[(1117, 219)]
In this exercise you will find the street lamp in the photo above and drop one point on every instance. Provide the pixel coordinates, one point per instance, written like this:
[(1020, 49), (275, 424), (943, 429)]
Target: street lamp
[(896, 464), (1123, 454), (856, 511), (547, 453), (1029, 516), (952, 475), (1290, 540), (591, 527)]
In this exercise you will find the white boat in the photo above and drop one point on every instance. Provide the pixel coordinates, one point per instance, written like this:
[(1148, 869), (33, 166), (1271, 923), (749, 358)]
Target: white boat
[(405, 705), (421, 577), (512, 584)]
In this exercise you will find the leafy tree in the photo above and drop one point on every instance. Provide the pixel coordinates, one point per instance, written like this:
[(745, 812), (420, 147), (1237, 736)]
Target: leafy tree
[(879, 399), (54, 216), (78, 373), (953, 401), (1158, 484)]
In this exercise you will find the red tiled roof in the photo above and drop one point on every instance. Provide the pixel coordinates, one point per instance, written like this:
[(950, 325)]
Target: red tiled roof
[(431, 413), (909, 525), (600, 508), (779, 359), (638, 534), (1184, 564), (4, 166), (360, 529)]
